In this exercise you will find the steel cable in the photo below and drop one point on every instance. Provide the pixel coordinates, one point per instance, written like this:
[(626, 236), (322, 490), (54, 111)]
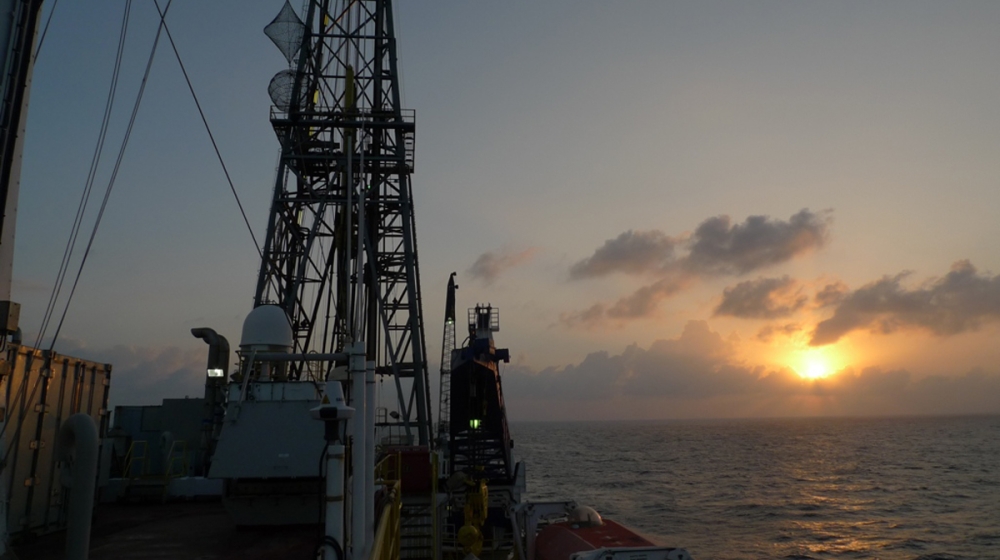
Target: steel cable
[(71, 242), (89, 183), (218, 154)]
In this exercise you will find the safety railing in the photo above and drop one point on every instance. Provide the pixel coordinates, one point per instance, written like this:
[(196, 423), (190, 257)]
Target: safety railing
[(177, 456), (138, 453), (387, 532)]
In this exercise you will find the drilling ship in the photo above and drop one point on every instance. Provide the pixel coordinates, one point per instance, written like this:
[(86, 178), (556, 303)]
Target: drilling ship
[(291, 444)]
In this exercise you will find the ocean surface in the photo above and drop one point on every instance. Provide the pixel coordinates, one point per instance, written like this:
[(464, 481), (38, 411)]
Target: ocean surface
[(892, 488)]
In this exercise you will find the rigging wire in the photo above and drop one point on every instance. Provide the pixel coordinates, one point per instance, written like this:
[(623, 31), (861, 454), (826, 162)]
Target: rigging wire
[(218, 154), (114, 173), (45, 29), (89, 183), (63, 268)]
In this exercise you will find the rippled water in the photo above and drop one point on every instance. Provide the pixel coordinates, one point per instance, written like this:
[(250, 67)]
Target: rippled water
[(890, 488)]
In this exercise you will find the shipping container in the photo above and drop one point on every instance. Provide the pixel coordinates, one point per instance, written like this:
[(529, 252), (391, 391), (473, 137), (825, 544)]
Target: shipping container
[(39, 390)]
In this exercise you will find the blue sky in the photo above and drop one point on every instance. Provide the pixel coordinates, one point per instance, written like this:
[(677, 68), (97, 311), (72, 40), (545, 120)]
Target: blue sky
[(544, 131)]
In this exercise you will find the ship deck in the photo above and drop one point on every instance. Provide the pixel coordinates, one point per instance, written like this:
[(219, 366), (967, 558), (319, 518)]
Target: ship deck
[(192, 530)]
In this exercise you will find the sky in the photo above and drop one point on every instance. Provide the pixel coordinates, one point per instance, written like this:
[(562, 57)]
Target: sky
[(681, 209)]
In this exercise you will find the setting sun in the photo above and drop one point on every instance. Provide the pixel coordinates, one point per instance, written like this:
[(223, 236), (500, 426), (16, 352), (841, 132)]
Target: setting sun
[(816, 363)]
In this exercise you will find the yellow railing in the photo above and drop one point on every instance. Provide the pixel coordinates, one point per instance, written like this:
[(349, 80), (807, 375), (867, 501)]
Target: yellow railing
[(177, 457), (386, 543), (133, 456)]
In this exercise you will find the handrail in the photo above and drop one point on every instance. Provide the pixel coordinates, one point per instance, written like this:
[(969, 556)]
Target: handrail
[(385, 545), (173, 458), (130, 458)]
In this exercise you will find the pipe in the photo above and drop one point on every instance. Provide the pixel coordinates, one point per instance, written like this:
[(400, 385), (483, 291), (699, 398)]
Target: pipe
[(334, 498), (359, 491), (369, 455), (78, 448), (333, 413)]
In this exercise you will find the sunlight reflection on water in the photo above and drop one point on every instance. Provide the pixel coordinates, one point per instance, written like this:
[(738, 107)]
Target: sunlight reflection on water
[(901, 488)]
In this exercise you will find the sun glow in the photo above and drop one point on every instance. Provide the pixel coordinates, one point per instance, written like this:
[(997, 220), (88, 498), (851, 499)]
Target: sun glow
[(816, 363)]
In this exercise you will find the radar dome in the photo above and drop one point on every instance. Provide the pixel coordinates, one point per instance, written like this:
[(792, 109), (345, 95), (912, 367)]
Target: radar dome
[(267, 328)]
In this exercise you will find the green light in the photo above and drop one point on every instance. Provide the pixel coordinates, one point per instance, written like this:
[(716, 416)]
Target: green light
[(474, 423)]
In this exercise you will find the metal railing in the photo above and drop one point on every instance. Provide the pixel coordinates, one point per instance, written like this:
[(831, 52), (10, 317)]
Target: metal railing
[(138, 452), (386, 543), (177, 456)]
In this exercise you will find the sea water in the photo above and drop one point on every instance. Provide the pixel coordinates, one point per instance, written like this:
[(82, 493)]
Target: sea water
[(891, 488)]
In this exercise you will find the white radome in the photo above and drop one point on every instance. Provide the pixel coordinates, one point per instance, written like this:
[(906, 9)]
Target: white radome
[(267, 328)]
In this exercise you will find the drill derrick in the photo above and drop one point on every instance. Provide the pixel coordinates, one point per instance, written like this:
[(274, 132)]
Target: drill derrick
[(340, 255)]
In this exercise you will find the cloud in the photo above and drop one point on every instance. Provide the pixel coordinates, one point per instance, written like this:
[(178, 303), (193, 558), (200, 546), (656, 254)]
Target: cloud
[(633, 252), (763, 298), (643, 301), (963, 300), (767, 333), (831, 294), (699, 374), (716, 248), (143, 375), (685, 366), (490, 265)]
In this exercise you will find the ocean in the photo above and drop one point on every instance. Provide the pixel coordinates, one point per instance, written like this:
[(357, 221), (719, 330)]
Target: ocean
[(924, 488)]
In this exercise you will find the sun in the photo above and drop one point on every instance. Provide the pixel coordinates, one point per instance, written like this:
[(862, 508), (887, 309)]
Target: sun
[(815, 369), (816, 363)]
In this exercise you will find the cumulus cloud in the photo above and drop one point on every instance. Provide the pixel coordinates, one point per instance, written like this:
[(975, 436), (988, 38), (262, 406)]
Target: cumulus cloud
[(490, 265), (142, 375), (685, 366), (963, 300), (633, 252), (718, 247), (763, 298), (639, 303), (699, 374)]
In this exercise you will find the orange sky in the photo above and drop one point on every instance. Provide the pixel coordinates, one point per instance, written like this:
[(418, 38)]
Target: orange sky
[(666, 200)]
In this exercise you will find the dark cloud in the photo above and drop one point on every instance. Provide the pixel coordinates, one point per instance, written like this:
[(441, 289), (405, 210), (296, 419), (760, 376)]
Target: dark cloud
[(638, 304), (643, 301), (590, 317), (685, 366), (763, 298), (831, 294), (963, 300), (716, 248), (698, 374), (767, 333), (490, 265), (633, 252)]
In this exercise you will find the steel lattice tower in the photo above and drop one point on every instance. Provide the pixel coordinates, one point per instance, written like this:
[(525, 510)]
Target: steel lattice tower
[(340, 254)]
